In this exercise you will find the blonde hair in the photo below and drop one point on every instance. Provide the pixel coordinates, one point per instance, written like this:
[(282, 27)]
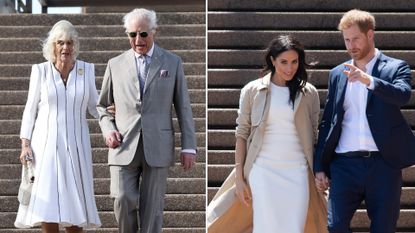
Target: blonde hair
[(363, 19), (139, 14), (61, 30)]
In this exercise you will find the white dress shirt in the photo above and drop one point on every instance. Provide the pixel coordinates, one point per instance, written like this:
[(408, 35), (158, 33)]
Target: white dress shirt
[(356, 134), (149, 55)]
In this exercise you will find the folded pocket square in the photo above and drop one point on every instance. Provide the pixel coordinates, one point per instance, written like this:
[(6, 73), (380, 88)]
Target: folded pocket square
[(164, 73)]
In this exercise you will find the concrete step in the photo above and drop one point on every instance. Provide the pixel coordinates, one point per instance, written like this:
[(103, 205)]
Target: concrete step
[(97, 19), (195, 6), (20, 70), (257, 39), (170, 219), (361, 221), (102, 30), (19, 97), (226, 118), (115, 230), (237, 78), (326, 58), (13, 126), (222, 118), (266, 20), (92, 56), (221, 139), (12, 171), (173, 202), (217, 97), (12, 141), (10, 187), (218, 173), (305, 5), (229, 97), (221, 157), (103, 44), (99, 155), (10, 112), (22, 83), (211, 192)]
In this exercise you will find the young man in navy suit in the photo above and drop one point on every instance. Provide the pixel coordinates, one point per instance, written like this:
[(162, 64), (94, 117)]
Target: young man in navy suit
[(364, 141)]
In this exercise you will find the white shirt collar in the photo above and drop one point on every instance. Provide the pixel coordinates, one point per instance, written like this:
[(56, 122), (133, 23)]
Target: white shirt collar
[(150, 52)]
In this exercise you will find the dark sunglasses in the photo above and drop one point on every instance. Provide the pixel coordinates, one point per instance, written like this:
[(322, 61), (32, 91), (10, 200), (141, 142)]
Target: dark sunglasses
[(134, 34)]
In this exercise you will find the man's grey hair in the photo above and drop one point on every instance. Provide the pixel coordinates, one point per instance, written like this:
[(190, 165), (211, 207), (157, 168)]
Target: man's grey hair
[(140, 14), (61, 30)]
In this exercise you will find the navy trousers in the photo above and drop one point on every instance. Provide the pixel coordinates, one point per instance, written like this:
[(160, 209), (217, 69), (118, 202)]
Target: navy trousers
[(354, 179)]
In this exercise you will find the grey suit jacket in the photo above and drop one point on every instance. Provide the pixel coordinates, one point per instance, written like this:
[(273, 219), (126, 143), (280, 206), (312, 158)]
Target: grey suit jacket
[(150, 116)]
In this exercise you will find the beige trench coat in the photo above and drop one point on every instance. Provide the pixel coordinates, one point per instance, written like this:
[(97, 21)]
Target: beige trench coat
[(225, 213)]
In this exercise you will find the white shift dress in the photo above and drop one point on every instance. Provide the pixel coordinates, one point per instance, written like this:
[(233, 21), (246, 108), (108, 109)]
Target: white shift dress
[(279, 178), (54, 120)]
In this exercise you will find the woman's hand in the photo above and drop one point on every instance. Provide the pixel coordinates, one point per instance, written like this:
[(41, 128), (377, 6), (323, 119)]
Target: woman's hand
[(27, 152), (243, 191)]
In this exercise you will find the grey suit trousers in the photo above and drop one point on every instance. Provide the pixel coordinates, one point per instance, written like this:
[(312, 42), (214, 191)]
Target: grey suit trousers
[(138, 191)]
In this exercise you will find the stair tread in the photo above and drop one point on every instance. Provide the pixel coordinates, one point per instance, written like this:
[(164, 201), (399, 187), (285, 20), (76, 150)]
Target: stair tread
[(98, 18), (256, 39), (170, 219), (266, 5), (303, 20)]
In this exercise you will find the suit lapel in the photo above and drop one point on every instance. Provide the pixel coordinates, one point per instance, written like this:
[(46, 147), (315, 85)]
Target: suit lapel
[(131, 69), (155, 65), (377, 68), (341, 88)]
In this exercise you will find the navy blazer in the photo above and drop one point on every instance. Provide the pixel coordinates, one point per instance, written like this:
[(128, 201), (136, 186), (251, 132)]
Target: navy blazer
[(391, 133)]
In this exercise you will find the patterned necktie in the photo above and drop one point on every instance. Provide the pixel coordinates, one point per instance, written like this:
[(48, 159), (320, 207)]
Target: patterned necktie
[(143, 69)]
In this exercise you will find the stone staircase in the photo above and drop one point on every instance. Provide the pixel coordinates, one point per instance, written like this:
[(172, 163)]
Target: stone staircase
[(238, 32), (102, 37)]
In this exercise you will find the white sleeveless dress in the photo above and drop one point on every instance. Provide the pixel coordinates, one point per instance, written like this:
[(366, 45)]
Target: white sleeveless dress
[(279, 176), (55, 120)]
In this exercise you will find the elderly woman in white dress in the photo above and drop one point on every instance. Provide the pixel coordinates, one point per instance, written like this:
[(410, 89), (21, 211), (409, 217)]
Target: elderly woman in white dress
[(55, 134)]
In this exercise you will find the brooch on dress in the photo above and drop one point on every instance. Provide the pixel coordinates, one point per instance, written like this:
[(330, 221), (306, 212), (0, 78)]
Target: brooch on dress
[(80, 71)]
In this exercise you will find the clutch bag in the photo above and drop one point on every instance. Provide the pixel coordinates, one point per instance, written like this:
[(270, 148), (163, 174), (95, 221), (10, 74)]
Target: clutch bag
[(28, 178)]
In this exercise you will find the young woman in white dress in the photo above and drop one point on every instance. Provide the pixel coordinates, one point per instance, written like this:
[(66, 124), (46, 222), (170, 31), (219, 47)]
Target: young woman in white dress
[(279, 180), (55, 134)]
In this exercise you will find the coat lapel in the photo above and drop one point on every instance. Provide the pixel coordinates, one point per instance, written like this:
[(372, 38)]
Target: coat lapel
[(297, 101), (341, 88), (264, 90), (377, 68), (155, 65), (131, 69)]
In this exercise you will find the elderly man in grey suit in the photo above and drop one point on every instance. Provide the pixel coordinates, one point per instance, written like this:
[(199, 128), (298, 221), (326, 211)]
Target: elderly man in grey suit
[(143, 83)]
